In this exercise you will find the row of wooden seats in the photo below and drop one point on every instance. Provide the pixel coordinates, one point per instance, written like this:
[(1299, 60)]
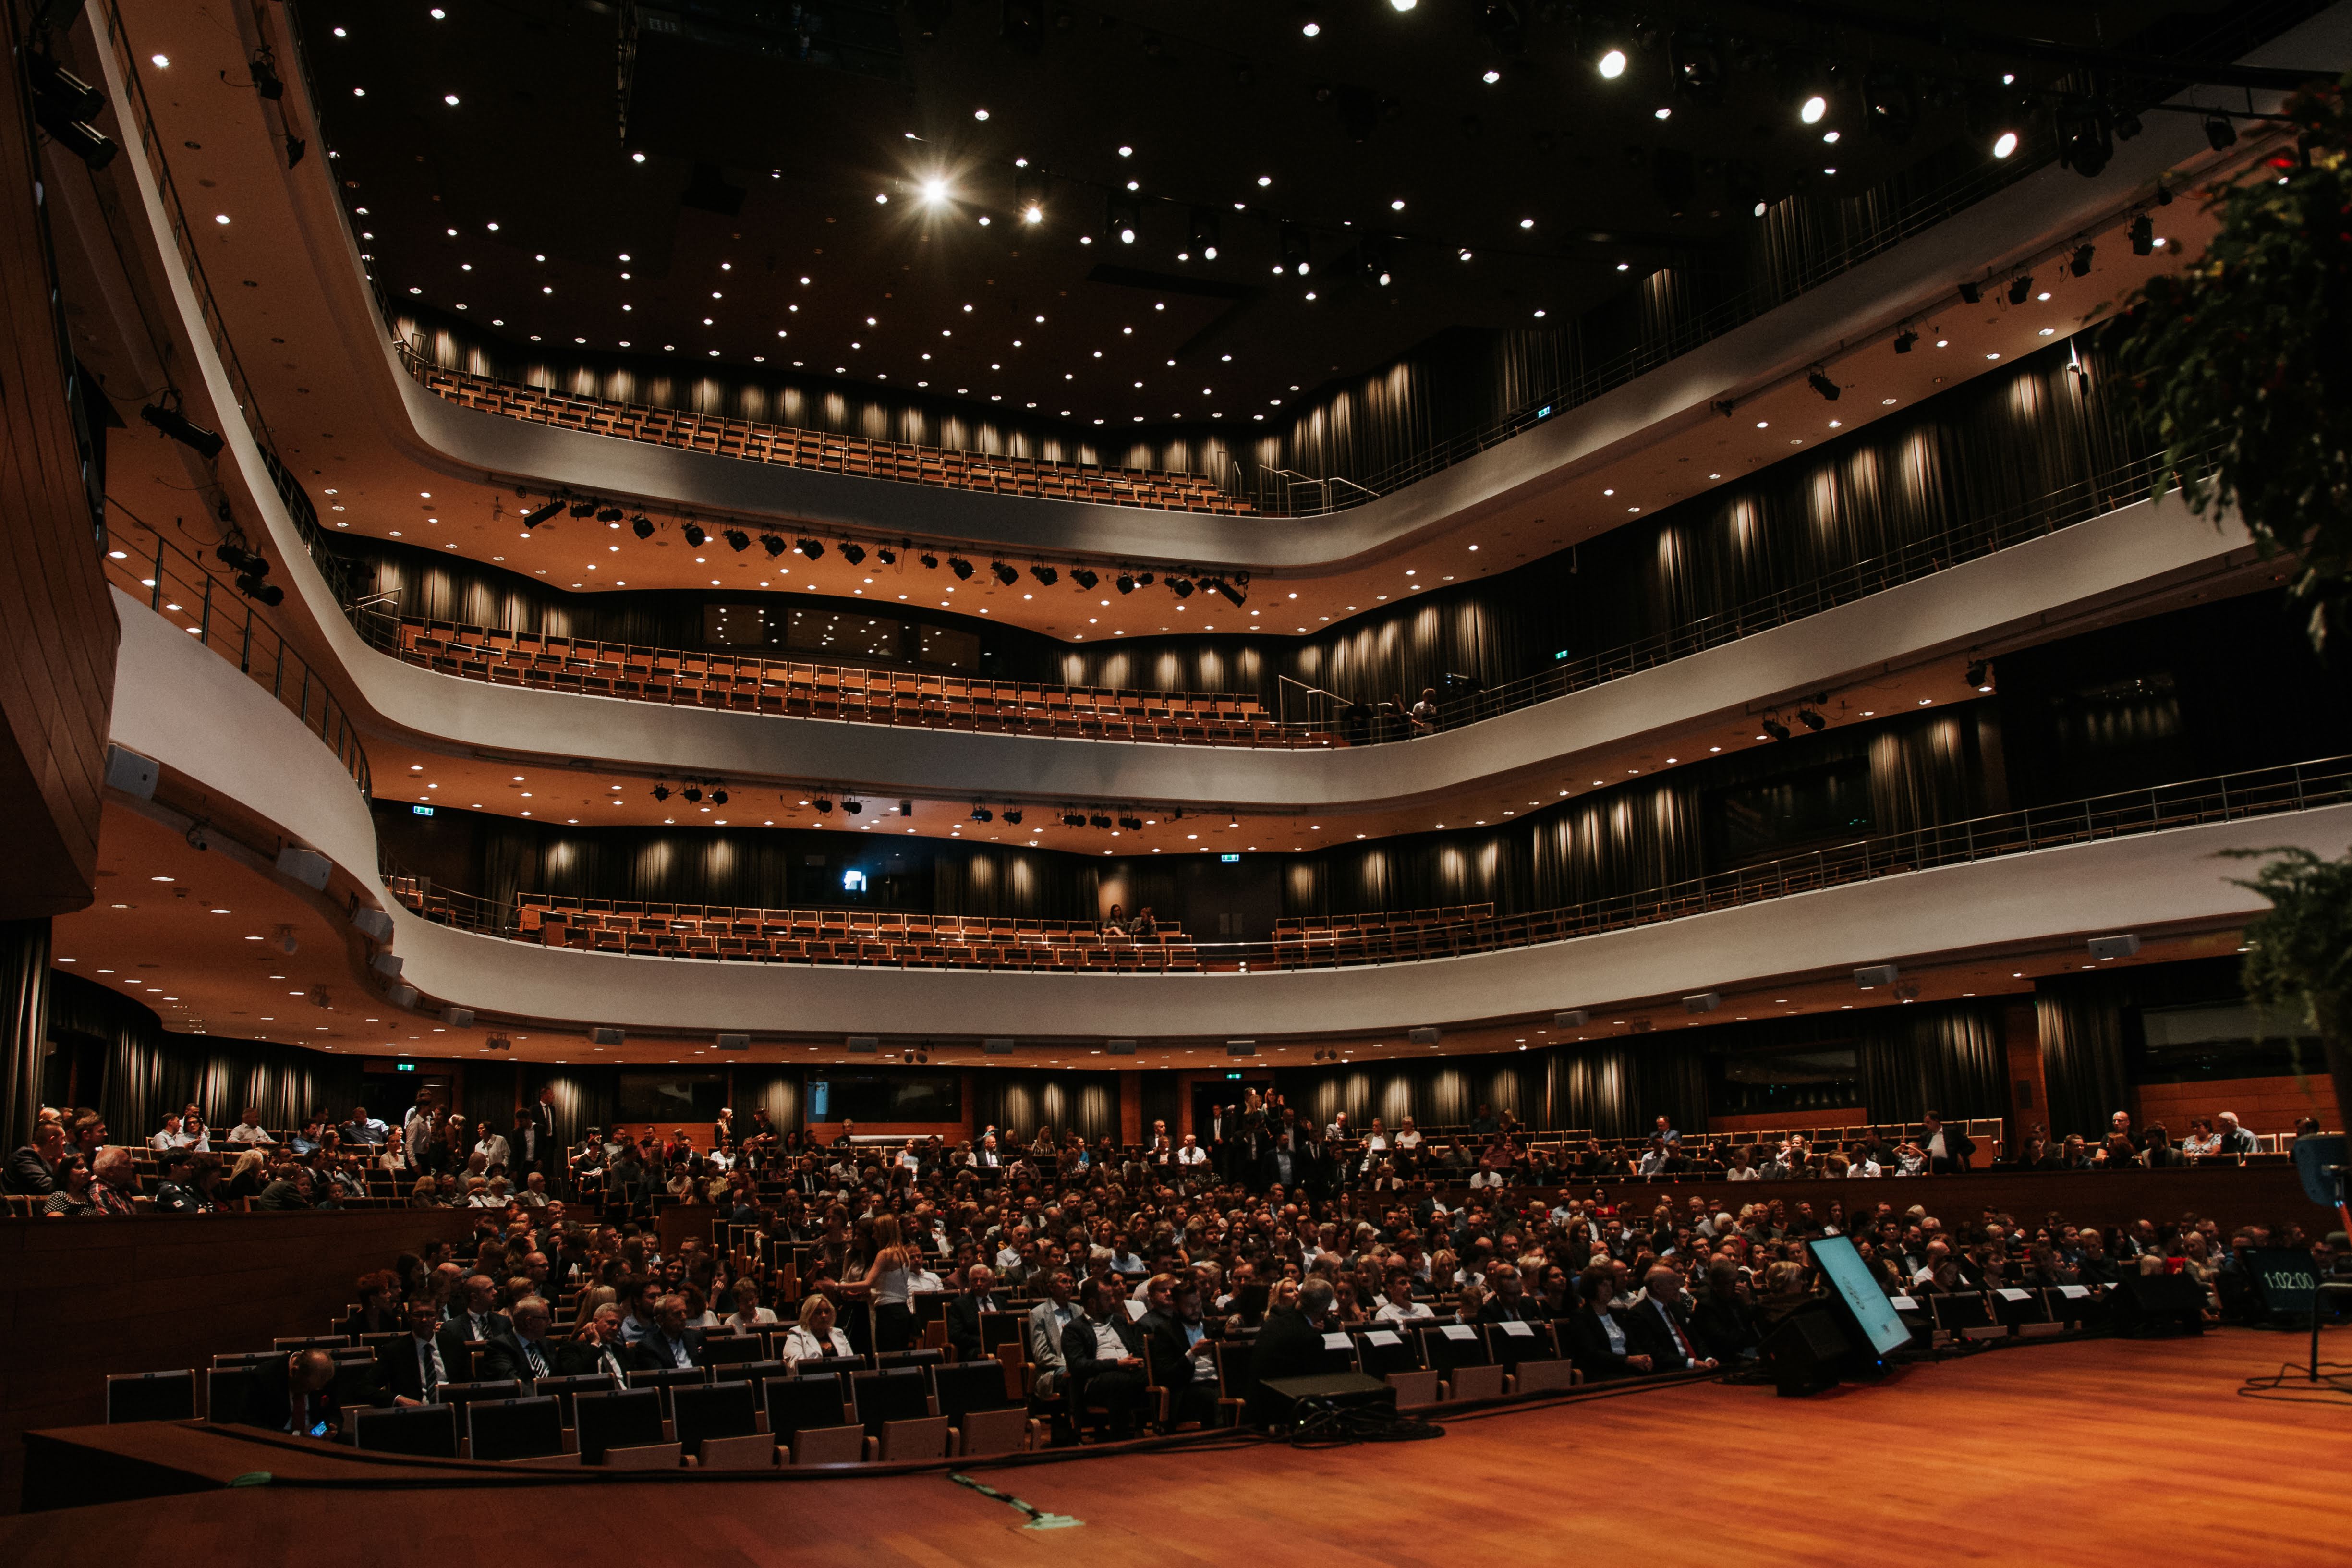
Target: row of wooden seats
[(717, 921), (867, 696), (865, 457), (1066, 954), (1330, 925)]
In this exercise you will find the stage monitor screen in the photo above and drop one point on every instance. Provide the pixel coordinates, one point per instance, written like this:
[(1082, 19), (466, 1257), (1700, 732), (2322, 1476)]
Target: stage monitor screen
[(1851, 1278)]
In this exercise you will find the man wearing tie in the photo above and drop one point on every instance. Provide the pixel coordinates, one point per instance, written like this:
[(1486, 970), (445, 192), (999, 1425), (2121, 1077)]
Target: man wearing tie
[(525, 1354), (541, 1156), (296, 1397), (1660, 1326), (411, 1369), (670, 1344), (476, 1313), (597, 1348), (963, 1312)]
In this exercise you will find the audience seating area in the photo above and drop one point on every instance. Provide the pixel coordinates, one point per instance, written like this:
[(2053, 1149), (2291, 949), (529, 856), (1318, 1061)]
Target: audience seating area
[(746, 685), (839, 936), (833, 452)]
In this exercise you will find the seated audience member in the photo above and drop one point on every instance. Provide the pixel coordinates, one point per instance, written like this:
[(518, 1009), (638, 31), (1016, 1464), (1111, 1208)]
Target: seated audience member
[(411, 1369), (1723, 1319), (1599, 1341), (71, 1200), (289, 1189), (1508, 1301), (33, 1169), (1290, 1344), (596, 1347), (176, 1182), (295, 1396), (1182, 1357), (169, 1137), (246, 1177), (250, 1129), (963, 1312), (2234, 1139), (193, 1128), (1661, 1321), (669, 1343), (1043, 1331), (2157, 1153), (378, 1311), (1947, 1147), (525, 1352), (475, 1309), (1104, 1350), (748, 1315), (364, 1129), (114, 1182), (815, 1338), (1398, 1305)]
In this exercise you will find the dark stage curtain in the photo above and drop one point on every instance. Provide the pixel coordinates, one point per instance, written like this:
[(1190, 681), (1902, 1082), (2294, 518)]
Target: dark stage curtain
[(150, 1071), (583, 1096), (776, 1090), (1590, 1087), (2081, 1019), (25, 979), (1017, 1100), (1946, 1057)]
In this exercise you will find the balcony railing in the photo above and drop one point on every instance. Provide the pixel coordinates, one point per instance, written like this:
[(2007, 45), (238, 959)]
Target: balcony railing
[(697, 931), (171, 582)]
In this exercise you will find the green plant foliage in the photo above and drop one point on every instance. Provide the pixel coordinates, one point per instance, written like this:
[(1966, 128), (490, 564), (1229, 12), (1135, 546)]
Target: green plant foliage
[(2244, 358), (2299, 957)]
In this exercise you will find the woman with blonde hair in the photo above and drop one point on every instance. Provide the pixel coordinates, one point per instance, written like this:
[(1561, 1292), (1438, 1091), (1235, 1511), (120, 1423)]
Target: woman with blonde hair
[(815, 1338), (595, 1296), (888, 1282), (425, 1195)]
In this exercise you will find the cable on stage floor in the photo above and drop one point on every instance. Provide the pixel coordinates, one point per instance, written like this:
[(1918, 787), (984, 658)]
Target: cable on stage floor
[(2293, 1384), (1322, 1424)]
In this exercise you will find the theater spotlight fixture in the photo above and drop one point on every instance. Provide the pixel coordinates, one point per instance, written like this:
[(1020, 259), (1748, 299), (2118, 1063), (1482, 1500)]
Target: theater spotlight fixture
[(661, 792), (1811, 721), (812, 548), (1098, 820), (1774, 728), (241, 560), (1821, 384), (693, 793), (1046, 576), (1143, 579), (165, 415), (885, 554), (773, 544), (64, 105), (1181, 586), (608, 514), (853, 553), (538, 515), (2143, 235), (2079, 264), (1124, 583), (583, 508), (981, 814), (1132, 824), (960, 567), (1979, 675), (641, 526), (931, 562), (1084, 578), (853, 806), (1074, 819), (2219, 134), (1013, 816), (1971, 293), (2021, 288), (1905, 341), (718, 797), (738, 541), (1004, 575), (694, 534), (823, 805), (1233, 595)]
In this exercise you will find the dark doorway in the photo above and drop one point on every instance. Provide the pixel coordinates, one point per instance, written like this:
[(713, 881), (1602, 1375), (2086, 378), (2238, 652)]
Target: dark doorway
[(1222, 1091)]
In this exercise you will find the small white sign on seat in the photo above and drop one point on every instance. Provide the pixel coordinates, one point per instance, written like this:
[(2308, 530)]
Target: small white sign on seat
[(1338, 1343), (1513, 1326), (1459, 1332), (1383, 1336)]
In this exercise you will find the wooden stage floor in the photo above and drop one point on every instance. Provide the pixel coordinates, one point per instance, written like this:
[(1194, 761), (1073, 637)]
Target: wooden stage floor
[(2086, 1453)]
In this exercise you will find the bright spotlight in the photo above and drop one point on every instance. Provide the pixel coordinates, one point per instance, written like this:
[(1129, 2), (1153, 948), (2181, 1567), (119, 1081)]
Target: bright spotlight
[(935, 190), (2004, 144), (1612, 64), (1813, 109)]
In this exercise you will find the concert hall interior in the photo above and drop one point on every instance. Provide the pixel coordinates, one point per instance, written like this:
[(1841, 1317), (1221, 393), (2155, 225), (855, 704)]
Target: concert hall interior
[(1790, 630)]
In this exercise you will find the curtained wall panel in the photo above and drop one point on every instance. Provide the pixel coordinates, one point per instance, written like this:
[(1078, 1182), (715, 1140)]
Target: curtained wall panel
[(25, 977), (1017, 1102), (777, 1091), (584, 1095), (1949, 1058)]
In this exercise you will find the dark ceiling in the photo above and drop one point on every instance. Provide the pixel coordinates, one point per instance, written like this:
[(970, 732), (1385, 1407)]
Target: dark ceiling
[(716, 192)]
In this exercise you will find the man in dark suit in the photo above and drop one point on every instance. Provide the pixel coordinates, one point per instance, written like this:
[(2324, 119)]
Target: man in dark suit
[(296, 1395), (526, 1353), (544, 1155), (33, 1169), (595, 1348), (1104, 1352), (474, 1311), (1183, 1356), (1661, 1325), (1947, 1149), (670, 1343), (411, 1369), (1291, 1343), (963, 1312)]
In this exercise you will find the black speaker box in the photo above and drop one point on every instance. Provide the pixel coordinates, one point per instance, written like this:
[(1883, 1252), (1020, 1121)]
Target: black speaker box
[(1281, 1397), (2156, 1304), (1807, 1353)]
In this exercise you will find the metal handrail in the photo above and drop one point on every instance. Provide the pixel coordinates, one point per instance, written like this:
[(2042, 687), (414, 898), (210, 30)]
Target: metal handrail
[(2227, 798), (171, 582)]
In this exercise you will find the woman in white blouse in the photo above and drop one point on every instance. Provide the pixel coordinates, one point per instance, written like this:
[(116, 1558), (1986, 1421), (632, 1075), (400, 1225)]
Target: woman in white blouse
[(816, 1337)]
